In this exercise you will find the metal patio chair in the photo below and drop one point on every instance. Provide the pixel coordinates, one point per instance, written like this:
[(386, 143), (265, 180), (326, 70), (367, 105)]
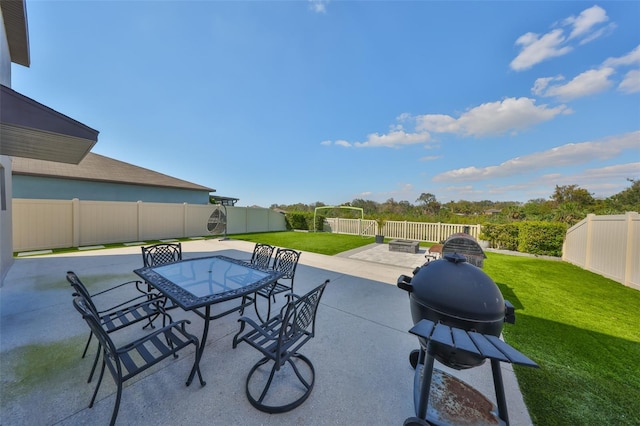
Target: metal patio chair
[(279, 340), (130, 359), (161, 254), (261, 255), (285, 261), (114, 318)]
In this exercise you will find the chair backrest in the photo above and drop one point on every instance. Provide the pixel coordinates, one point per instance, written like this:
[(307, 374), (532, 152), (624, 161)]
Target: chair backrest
[(159, 254), (84, 306), (299, 317), (81, 290), (286, 261), (261, 256)]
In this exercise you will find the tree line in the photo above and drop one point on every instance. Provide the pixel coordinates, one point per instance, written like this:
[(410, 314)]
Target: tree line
[(568, 204)]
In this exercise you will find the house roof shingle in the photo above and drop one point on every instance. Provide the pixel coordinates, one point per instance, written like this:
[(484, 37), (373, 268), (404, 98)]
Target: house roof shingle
[(98, 168)]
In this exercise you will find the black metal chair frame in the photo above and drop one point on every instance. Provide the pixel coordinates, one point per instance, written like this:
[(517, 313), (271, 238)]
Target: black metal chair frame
[(261, 256), (117, 317), (129, 360), (279, 340), (285, 261), (161, 254)]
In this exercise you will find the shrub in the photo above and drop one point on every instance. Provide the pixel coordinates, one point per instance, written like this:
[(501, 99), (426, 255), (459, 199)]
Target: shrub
[(303, 221), (543, 238), (296, 220), (501, 236)]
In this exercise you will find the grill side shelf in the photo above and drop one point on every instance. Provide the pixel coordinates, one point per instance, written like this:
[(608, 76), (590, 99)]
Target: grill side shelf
[(486, 345)]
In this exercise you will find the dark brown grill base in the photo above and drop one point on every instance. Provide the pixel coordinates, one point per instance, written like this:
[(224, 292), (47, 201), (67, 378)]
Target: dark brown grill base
[(456, 339)]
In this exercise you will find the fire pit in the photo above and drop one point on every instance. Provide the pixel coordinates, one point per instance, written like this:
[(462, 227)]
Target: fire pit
[(458, 312)]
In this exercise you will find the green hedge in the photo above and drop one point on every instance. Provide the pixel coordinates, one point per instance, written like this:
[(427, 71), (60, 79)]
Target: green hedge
[(543, 238), (303, 221), (504, 237)]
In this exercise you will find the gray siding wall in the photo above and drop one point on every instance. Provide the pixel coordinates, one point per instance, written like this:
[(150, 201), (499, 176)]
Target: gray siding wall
[(6, 233), (6, 241), (35, 187)]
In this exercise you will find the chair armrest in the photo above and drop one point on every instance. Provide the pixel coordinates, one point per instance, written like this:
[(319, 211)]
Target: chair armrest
[(259, 328), (127, 302), (158, 303), (136, 282), (180, 325)]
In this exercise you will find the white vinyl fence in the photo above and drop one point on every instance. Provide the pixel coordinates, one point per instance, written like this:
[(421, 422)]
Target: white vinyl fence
[(402, 230), (48, 224), (607, 245)]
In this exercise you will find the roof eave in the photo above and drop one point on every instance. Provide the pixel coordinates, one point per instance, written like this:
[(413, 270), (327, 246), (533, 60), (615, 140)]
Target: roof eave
[(32, 130), (14, 13)]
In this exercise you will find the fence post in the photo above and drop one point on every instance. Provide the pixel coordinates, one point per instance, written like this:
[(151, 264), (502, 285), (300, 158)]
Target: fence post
[(628, 263), (75, 222), (185, 224), (587, 256), (139, 227)]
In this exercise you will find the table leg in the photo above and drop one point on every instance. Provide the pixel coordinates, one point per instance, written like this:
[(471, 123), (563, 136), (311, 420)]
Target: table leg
[(203, 340)]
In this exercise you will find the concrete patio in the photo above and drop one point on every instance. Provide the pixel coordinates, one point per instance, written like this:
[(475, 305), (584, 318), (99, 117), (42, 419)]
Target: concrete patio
[(360, 352)]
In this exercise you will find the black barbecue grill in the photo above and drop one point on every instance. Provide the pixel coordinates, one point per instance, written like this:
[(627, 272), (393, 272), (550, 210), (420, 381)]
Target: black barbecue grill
[(458, 294), (458, 314), (465, 244)]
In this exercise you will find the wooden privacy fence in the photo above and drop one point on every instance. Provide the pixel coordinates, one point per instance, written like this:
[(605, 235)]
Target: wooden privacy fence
[(403, 230), (608, 245), (48, 224)]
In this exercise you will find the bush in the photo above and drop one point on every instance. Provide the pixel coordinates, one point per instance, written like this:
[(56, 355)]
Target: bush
[(296, 220), (543, 238), (503, 236), (303, 221)]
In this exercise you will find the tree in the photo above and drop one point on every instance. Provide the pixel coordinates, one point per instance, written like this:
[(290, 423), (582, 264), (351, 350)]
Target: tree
[(572, 194), (629, 199), (538, 209), (431, 205)]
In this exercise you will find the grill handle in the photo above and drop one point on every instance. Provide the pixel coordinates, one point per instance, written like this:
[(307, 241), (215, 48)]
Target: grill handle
[(404, 282), (509, 312)]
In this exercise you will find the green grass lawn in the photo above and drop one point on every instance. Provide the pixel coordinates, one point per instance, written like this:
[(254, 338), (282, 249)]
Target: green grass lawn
[(581, 328), (315, 242), (583, 331)]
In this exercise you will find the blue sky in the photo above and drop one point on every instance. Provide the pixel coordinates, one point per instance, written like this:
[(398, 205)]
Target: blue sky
[(303, 101)]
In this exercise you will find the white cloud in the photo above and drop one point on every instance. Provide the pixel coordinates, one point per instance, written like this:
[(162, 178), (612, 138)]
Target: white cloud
[(587, 83), (541, 84), (584, 23), (565, 155), (318, 6), (631, 82), (536, 49), (618, 171), (430, 158), (393, 139), (492, 118), (602, 182), (592, 81), (584, 28), (631, 58)]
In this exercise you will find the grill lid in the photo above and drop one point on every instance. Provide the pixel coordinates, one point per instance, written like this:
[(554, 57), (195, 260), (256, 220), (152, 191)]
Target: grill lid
[(456, 288)]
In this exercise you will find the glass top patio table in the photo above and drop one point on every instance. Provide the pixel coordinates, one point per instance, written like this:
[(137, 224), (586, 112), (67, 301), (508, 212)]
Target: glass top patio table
[(197, 284), (194, 283)]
